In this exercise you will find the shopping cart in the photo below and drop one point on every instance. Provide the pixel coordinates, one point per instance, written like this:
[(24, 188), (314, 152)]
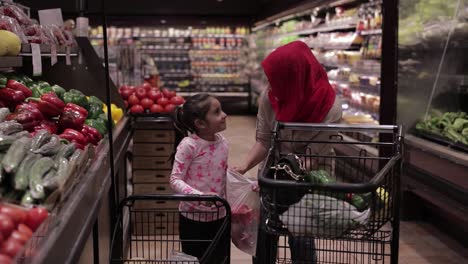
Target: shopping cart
[(335, 199), (147, 230)]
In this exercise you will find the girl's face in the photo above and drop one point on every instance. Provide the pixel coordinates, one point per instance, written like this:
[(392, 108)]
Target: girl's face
[(215, 120)]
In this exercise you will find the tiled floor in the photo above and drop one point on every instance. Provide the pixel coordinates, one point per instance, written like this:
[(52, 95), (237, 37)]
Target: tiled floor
[(419, 242)]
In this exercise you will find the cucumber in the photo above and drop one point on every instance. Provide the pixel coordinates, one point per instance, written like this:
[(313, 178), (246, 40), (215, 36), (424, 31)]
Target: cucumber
[(21, 177), (6, 141), (27, 200), (38, 170), (10, 127), (39, 139), (50, 148), (50, 182), (15, 154), (66, 150), (3, 113), (20, 134)]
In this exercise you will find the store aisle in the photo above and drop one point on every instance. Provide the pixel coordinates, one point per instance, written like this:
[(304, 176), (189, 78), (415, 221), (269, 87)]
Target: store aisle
[(420, 242)]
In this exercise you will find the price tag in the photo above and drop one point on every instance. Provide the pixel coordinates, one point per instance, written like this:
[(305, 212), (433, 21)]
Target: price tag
[(53, 54), (67, 56), (36, 59)]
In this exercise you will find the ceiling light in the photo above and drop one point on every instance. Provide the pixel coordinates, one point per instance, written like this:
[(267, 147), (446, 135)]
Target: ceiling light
[(163, 21)]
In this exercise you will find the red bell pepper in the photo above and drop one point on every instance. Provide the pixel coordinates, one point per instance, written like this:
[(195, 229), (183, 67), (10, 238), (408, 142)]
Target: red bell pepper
[(73, 135), (49, 125), (71, 106), (92, 134), (25, 118), (30, 107), (73, 116), (49, 104), (15, 85), (11, 97)]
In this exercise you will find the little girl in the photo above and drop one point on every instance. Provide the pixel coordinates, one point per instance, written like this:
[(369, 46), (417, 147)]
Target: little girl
[(200, 168)]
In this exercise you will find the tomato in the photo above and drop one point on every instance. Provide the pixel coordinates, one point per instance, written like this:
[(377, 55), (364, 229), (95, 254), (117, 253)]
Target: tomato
[(20, 237), (169, 108), (5, 259), (11, 247), (177, 100), (16, 214), (132, 89), (163, 101), (168, 93), (156, 108), (154, 94), (147, 86), (125, 93), (35, 217), (137, 109), (146, 103), (133, 100), (6, 225), (140, 92), (25, 230)]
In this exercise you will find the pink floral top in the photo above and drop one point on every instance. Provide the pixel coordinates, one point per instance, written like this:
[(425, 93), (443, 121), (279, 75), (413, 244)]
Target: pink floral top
[(200, 167)]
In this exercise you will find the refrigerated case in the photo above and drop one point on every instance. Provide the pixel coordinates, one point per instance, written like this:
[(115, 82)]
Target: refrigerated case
[(432, 105), (346, 38)]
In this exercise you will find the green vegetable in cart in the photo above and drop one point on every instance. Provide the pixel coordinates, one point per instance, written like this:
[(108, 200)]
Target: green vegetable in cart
[(76, 97)]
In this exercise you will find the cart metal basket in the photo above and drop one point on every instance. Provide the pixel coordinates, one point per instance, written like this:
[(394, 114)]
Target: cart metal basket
[(327, 197), (147, 231)]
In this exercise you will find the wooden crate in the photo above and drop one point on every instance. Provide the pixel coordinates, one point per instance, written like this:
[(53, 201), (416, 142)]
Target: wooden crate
[(159, 136), (155, 149), (151, 176)]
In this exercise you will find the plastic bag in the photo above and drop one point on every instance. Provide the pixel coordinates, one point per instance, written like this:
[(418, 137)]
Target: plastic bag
[(10, 24), (181, 257), (15, 12), (245, 208), (322, 216)]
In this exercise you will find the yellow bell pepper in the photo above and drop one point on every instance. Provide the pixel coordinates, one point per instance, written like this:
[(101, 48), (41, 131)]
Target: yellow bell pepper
[(116, 113), (104, 108)]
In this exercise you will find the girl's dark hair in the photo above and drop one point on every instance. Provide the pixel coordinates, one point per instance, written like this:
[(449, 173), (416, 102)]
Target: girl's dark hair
[(196, 107)]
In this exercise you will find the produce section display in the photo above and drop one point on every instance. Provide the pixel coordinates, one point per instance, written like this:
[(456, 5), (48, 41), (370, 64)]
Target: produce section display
[(450, 126), (346, 39), (148, 99)]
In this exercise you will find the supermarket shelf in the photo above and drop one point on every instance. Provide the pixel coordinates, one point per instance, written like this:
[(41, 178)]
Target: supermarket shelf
[(371, 32), (178, 50), (314, 30), (219, 94), (171, 61), (10, 61), (174, 72), (219, 36), (45, 49), (223, 49)]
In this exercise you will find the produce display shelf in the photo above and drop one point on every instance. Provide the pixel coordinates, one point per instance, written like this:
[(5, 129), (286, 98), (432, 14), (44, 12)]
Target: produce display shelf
[(441, 140), (212, 49), (150, 50), (45, 48), (159, 60), (11, 61), (218, 36)]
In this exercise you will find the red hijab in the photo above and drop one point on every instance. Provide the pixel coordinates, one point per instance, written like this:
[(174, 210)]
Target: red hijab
[(300, 91)]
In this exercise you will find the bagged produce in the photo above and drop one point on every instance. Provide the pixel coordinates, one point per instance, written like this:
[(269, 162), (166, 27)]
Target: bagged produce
[(245, 210), (322, 216)]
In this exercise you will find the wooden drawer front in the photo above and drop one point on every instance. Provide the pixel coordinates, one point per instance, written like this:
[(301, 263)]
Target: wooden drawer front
[(155, 228), (153, 149), (148, 176), (159, 136), (152, 163), (153, 188), (151, 204)]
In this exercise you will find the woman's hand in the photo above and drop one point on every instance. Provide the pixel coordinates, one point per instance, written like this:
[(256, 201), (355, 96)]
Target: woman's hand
[(210, 203), (255, 187), (239, 169)]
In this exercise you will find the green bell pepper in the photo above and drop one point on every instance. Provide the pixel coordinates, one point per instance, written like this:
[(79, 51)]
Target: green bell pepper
[(76, 97), (103, 116), (3, 80), (38, 91), (94, 100), (95, 110), (98, 124), (58, 90), (43, 84)]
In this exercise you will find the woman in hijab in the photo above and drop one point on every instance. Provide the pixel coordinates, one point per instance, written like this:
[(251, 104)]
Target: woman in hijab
[(299, 92)]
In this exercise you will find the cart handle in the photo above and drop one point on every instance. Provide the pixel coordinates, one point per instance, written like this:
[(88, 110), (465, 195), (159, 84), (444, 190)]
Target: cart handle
[(335, 127), (372, 185)]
